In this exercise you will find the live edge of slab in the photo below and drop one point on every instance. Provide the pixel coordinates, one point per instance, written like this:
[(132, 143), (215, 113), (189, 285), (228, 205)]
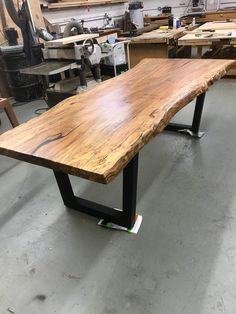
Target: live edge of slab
[(94, 135)]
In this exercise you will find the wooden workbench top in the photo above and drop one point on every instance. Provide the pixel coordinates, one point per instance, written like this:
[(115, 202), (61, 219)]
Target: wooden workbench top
[(208, 38), (218, 25), (158, 36), (199, 37), (94, 135)]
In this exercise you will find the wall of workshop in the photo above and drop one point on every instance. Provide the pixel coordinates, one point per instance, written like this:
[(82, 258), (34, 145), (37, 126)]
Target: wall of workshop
[(180, 7), (94, 16)]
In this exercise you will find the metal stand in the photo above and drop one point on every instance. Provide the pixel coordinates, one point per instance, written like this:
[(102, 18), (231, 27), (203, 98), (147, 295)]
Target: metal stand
[(125, 218), (192, 130)]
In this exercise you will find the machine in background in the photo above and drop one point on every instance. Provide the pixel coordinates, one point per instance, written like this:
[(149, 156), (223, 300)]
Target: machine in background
[(73, 67), (197, 6), (65, 68), (66, 65), (114, 61)]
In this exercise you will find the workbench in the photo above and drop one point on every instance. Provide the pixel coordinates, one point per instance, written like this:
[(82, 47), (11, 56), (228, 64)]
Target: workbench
[(212, 35), (155, 44), (217, 39), (99, 133), (218, 25)]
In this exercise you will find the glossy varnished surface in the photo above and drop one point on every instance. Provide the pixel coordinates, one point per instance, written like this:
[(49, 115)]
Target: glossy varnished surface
[(94, 135)]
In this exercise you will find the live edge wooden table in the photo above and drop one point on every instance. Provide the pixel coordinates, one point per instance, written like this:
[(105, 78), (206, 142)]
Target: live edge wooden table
[(98, 134)]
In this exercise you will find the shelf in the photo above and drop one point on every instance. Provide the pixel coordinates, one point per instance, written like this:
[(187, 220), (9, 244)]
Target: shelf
[(66, 5)]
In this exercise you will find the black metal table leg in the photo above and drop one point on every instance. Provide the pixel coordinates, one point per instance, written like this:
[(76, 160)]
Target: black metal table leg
[(198, 113), (193, 129), (125, 218), (65, 188), (130, 179)]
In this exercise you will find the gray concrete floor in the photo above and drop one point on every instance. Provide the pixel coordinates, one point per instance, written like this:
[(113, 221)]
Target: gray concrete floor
[(183, 261)]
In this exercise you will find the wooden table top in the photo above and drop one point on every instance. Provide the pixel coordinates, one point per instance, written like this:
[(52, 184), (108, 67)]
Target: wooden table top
[(94, 135)]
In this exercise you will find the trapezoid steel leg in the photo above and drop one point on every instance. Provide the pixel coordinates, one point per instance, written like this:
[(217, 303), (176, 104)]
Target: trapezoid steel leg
[(197, 116), (192, 130), (125, 218)]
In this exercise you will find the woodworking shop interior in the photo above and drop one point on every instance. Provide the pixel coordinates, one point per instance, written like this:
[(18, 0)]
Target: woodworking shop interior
[(77, 81)]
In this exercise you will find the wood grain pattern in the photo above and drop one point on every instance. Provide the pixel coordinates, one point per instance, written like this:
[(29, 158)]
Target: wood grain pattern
[(138, 52), (37, 13), (94, 135)]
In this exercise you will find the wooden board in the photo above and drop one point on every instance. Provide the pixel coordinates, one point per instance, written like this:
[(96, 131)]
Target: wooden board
[(2, 36), (138, 52), (157, 18), (70, 40), (37, 13), (2, 22), (220, 25), (64, 5), (94, 135), (212, 16)]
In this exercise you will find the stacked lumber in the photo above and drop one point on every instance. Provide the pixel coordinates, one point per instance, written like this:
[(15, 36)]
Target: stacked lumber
[(63, 4), (212, 16)]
